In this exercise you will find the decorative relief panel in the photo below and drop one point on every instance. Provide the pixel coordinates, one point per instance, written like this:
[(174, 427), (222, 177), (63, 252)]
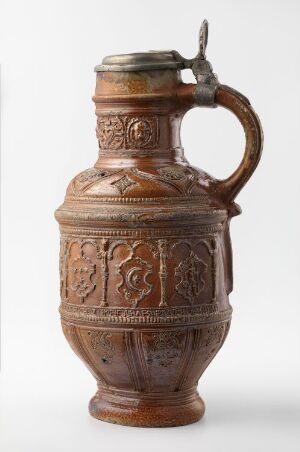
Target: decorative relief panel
[(94, 174), (211, 340), (183, 267), (203, 344), (191, 273), (141, 132), (106, 351), (127, 132), (123, 184), (174, 172), (89, 177), (134, 285), (82, 269), (213, 335), (182, 179), (101, 343), (110, 132), (149, 361), (196, 273), (165, 349)]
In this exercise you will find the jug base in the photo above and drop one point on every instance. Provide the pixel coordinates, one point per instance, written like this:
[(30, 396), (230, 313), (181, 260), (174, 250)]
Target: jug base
[(138, 409)]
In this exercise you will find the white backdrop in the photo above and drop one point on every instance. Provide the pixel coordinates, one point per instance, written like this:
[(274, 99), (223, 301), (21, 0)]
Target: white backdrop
[(49, 49)]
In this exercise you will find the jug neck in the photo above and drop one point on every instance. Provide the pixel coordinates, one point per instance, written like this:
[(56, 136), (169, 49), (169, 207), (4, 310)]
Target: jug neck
[(138, 118)]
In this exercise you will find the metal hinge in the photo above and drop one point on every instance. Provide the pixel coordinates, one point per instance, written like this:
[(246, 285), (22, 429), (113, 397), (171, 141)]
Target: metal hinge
[(207, 81)]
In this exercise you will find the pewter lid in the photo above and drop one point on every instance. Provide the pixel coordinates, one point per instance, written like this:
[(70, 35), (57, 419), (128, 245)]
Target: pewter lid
[(207, 81), (160, 59), (152, 60)]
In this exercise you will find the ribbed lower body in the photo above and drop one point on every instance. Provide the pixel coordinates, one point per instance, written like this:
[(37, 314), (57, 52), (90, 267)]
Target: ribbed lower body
[(147, 409)]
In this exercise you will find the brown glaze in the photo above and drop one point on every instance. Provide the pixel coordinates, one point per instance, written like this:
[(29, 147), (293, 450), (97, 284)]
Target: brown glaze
[(145, 261)]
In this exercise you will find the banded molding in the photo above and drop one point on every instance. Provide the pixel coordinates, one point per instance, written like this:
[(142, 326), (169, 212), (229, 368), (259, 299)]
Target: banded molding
[(86, 216), (204, 313), (195, 199), (192, 231)]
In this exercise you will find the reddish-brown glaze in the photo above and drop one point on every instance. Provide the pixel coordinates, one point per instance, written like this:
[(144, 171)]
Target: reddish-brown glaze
[(145, 258)]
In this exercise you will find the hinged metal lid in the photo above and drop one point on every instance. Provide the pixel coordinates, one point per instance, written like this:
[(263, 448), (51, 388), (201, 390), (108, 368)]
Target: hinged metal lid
[(159, 59), (207, 81), (163, 59)]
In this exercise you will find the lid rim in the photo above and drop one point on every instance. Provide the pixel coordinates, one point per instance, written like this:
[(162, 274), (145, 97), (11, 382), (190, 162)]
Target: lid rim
[(132, 62), (137, 68)]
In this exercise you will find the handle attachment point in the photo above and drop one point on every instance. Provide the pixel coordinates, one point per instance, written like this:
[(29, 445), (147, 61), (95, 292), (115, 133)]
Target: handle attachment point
[(208, 92), (207, 81)]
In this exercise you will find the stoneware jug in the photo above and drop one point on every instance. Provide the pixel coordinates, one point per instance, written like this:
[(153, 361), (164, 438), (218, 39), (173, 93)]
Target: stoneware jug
[(145, 260)]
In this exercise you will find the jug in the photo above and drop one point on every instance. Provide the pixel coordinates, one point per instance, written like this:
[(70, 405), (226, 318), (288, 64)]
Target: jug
[(145, 257)]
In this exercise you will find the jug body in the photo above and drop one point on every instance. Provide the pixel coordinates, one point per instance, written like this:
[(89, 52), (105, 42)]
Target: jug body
[(145, 261)]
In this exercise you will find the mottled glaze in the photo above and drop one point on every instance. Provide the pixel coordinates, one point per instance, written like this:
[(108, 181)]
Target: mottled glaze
[(145, 263)]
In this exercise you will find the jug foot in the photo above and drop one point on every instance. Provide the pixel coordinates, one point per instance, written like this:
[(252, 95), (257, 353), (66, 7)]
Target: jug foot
[(138, 409)]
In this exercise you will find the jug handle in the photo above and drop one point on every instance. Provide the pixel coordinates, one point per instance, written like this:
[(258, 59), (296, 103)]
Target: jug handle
[(238, 104), (241, 107)]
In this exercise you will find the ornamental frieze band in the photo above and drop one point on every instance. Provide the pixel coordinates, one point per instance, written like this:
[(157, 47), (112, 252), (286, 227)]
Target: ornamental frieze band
[(89, 314), (127, 132)]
